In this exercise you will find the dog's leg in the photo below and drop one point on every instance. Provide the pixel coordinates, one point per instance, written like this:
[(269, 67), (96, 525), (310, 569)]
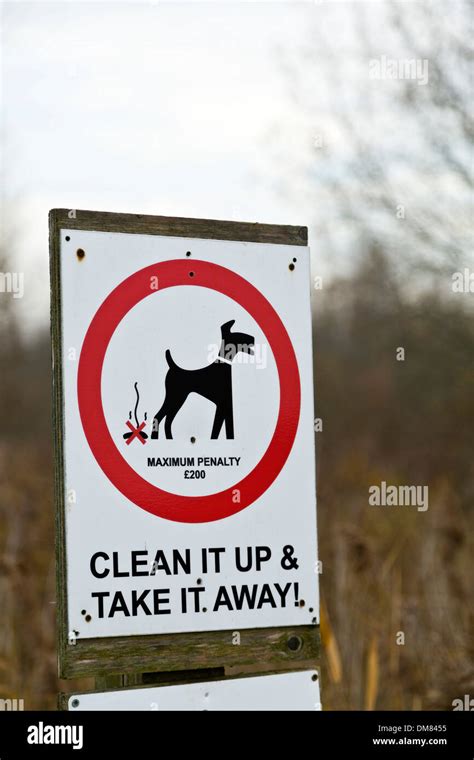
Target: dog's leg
[(156, 421), (218, 422), (229, 420), (171, 412), (229, 426)]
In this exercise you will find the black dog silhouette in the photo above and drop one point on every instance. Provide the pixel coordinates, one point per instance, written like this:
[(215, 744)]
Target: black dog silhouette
[(214, 382)]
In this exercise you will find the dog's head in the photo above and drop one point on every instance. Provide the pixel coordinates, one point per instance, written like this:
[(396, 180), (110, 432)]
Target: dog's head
[(236, 341)]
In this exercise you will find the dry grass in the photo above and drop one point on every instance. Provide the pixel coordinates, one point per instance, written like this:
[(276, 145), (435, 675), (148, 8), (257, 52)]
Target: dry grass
[(390, 574)]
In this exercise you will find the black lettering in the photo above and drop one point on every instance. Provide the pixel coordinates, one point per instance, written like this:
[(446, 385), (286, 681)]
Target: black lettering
[(262, 554), (157, 601), (217, 558), (222, 599), (136, 563), (238, 561), (118, 605), (179, 560), (283, 592), (196, 590), (115, 566), (139, 601), (100, 601), (244, 595), (94, 559), (160, 563), (266, 597)]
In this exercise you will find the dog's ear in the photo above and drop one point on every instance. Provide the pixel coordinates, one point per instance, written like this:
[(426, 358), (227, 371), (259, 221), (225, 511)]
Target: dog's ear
[(225, 328)]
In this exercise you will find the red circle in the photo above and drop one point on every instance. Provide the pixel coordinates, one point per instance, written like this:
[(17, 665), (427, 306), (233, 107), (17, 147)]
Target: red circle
[(188, 509)]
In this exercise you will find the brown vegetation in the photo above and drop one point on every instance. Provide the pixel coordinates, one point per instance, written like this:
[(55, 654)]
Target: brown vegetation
[(385, 570)]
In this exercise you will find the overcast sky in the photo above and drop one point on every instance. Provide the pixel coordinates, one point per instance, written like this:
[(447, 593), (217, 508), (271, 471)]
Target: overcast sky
[(188, 109), (160, 107)]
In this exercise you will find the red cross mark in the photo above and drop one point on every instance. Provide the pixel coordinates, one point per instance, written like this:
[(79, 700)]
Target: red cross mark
[(136, 433)]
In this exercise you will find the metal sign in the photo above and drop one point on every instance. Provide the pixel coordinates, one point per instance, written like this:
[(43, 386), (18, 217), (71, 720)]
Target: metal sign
[(286, 691), (184, 394)]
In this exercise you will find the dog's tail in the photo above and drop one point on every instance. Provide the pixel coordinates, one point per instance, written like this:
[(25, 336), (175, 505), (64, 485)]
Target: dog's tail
[(169, 359)]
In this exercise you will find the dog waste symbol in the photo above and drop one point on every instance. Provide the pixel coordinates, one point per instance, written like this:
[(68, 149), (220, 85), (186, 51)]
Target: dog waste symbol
[(137, 431)]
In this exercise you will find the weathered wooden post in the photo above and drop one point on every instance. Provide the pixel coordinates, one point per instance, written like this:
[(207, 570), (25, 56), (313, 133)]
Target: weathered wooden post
[(185, 471)]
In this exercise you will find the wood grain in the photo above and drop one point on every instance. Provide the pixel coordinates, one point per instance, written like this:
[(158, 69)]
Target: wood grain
[(210, 229), (189, 651)]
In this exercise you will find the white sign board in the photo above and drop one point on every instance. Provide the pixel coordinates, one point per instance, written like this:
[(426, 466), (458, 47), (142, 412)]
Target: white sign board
[(285, 691), (189, 434)]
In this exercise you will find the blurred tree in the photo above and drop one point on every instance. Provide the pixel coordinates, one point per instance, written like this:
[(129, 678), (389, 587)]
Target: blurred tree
[(383, 167), (391, 158)]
